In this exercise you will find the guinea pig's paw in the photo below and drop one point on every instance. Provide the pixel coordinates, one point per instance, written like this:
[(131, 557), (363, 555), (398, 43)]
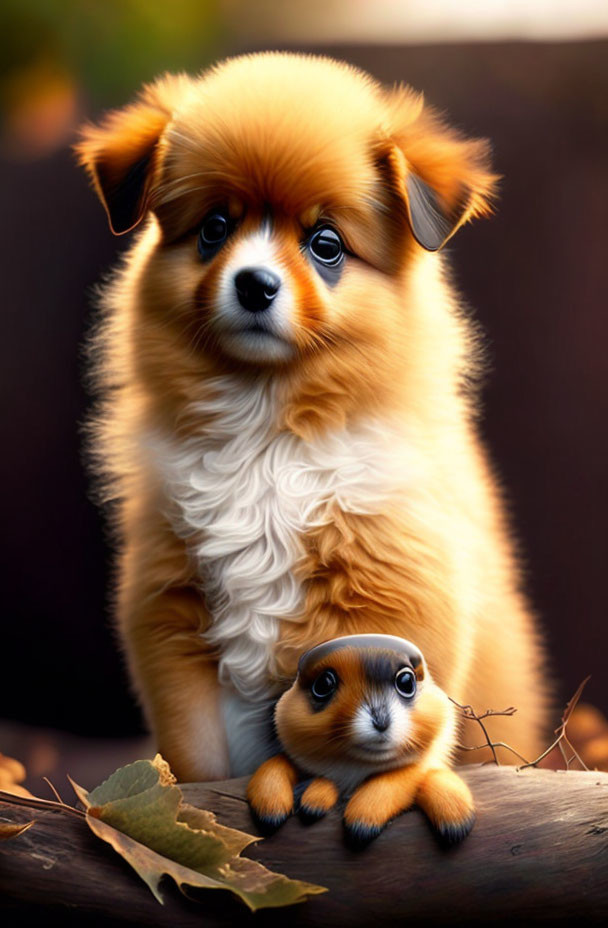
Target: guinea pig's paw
[(447, 802), (270, 793), (364, 817), (378, 800), (317, 799), (358, 834)]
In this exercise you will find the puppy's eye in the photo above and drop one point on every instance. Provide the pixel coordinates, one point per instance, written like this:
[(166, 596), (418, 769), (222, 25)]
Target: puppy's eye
[(325, 685), (214, 232), (326, 246), (405, 682)]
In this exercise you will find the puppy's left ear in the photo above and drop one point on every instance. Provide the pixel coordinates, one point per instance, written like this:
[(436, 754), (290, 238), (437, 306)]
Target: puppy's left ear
[(122, 155), (442, 179)]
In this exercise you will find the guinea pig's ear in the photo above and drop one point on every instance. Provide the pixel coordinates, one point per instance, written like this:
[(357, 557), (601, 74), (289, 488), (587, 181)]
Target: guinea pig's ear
[(121, 155), (442, 179)]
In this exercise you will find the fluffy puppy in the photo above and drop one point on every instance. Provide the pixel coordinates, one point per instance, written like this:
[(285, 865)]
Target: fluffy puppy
[(287, 419), (366, 719)]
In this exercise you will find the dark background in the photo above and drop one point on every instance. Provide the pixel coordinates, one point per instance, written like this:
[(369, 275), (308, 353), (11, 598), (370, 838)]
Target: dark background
[(535, 275)]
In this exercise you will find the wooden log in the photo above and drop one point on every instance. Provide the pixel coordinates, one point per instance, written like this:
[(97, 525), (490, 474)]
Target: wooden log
[(538, 852)]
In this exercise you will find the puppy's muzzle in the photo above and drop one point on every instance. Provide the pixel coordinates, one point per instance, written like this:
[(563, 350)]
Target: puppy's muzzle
[(256, 288)]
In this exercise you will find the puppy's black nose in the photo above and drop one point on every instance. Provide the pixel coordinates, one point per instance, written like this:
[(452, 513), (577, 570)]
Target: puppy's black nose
[(381, 718), (256, 288)]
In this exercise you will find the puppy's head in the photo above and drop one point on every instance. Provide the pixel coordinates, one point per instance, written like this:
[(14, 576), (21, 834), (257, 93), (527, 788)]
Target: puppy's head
[(288, 196), (366, 700)]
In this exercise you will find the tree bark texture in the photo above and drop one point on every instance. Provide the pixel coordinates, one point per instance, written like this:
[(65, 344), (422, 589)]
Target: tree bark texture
[(538, 852)]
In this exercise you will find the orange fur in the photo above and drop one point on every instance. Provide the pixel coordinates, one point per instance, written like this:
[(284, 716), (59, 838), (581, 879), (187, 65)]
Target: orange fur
[(165, 615), (440, 793), (311, 137), (326, 738), (382, 797), (319, 797), (447, 801), (270, 790), (320, 735)]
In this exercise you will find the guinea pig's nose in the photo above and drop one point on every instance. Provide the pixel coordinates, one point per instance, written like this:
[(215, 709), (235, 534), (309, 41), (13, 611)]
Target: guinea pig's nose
[(381, 718), (256, 288)]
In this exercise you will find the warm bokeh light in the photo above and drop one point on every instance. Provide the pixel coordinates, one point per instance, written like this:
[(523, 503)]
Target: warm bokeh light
[(41, 109), (59, 53), (408, 21), (63, 57)]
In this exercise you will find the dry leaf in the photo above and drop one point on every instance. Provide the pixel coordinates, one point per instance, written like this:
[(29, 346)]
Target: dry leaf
[(11, 830), (12, 773), (140, 811)]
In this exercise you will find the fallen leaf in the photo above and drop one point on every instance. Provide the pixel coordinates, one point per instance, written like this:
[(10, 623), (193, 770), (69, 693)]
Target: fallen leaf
[(140, 811), (10, 830), (12, 773)]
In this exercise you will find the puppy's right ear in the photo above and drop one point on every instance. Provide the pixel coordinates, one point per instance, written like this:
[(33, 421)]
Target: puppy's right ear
[(121, 155)]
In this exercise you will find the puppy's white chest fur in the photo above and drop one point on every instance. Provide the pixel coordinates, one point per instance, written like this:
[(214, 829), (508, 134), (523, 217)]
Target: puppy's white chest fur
[(243, 494)]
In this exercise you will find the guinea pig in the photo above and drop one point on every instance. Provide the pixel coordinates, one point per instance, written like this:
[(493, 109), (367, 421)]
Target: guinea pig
[(365, 720)]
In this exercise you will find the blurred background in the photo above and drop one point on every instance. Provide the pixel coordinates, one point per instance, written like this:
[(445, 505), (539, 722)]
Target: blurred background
[(532, 76)]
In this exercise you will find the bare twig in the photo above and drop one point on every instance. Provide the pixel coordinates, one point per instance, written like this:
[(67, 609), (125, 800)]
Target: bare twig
[(55, 793), (561, 741), (469, 713), (496, 744), (562, 737)]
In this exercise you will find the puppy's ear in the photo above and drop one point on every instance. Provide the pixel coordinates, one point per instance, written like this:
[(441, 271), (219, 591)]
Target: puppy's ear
[(442, 179), (121, 155)]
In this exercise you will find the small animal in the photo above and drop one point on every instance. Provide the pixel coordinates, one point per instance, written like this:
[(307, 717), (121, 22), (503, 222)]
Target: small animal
[(366, 720), (286, 430)]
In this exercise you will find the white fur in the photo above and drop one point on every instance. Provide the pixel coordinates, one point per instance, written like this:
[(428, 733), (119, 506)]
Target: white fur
[(242, 494), (365, 735), (231, 320)]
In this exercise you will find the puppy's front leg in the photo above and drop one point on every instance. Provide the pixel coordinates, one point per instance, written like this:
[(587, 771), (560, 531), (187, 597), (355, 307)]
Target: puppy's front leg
[(161, 615), (177, 682), (378, 800)]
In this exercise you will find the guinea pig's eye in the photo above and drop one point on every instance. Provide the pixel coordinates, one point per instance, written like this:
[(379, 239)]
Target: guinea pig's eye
[(214, 232), (405, 682), (324, 685), (326, 246)]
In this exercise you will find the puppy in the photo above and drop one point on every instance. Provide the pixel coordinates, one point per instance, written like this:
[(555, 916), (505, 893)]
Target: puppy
[(286, 426), (364, 717)]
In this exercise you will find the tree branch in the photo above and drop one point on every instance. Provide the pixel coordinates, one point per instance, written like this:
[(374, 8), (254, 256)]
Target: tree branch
[(537, 853)]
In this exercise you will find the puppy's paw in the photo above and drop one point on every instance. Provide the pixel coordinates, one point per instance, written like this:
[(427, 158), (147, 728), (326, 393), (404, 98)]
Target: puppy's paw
[(317, 799), (447, 802), (270, 793)]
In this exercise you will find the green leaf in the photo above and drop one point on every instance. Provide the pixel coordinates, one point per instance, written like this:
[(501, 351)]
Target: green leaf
[(140, 811)]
